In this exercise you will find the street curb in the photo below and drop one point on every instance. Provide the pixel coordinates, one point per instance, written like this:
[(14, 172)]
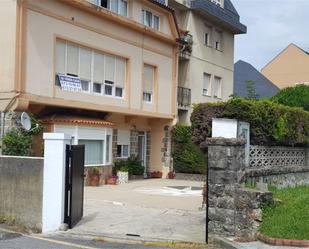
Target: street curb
[(224, 243), (282, 242)]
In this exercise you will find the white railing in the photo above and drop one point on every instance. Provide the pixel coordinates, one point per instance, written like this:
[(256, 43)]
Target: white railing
[(266, 157)]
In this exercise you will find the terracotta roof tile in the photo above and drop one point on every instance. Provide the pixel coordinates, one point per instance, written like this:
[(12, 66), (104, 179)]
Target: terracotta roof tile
[(71, 119)]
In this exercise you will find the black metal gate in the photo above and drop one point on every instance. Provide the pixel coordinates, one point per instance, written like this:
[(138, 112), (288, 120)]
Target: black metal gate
[(74, 184)]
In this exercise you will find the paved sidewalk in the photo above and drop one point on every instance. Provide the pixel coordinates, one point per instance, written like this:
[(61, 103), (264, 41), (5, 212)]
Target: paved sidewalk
[(154, 209)]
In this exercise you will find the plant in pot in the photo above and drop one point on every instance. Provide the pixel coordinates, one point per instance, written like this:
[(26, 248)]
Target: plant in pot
[(156, 174), (111, 180), (94, 176), (123, 174)]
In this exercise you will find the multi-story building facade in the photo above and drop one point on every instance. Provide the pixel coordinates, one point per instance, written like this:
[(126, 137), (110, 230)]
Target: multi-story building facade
[(206, 60), (289, 68), (103, 71)]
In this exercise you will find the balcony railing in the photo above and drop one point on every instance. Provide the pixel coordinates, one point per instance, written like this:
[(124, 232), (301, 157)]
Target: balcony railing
[(184, 97), (186, 40)]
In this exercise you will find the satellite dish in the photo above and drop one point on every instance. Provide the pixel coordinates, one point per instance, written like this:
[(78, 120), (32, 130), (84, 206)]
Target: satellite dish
[(25, 121)]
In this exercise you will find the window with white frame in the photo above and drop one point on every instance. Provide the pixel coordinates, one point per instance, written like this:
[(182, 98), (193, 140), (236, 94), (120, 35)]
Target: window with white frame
[(218, 40), (206, 84), (148, 82), (97, 141), (118, 6), (123, 142), (99, 73), (150, 20), (217, 87)]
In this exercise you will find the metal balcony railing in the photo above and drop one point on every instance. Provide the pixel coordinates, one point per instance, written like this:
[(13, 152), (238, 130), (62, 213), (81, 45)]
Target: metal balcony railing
[(184, 97)]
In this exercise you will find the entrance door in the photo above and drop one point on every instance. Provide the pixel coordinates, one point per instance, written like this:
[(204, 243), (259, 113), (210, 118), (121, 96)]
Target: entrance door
[(142, 150), (75, 161)]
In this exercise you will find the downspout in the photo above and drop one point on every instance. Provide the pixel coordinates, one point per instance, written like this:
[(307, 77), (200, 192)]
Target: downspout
[(3, 120)]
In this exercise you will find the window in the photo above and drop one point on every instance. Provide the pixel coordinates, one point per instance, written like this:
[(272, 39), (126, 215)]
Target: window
[(123, 141), (206, 39), (108, 149), (93, 151), (206, 84), (118, 6), (150, 20), (100, 74), (217, 40), (148, 81), (217, 87), (122, 150)]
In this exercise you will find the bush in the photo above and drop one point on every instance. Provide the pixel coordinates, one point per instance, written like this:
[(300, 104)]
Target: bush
[(188, 158), (297, 96), (270, 123), (17, 143), (131, 165)]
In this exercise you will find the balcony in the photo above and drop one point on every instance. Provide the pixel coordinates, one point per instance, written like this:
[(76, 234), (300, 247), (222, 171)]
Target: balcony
[(184, 98), (186, 40)]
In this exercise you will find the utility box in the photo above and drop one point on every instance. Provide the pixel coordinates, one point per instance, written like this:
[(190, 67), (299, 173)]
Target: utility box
[(232, 128)]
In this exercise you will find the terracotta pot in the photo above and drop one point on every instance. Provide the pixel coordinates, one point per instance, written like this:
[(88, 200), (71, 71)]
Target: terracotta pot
[(156, 174), (94, 180), (171, 175), (111, 180)]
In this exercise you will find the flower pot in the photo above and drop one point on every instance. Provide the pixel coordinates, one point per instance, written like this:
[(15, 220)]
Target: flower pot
[(111, 180), (171, 175), (156, 174), (123, 177), (94, 180)]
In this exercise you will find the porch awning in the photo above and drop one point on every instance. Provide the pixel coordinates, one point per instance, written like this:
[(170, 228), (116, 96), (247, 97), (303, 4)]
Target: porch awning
[(75, 120)]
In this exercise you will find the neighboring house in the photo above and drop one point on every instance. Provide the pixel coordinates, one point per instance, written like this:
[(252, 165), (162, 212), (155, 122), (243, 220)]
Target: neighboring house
[(244, 72), (103, 71), (289, 67), (206, 61)]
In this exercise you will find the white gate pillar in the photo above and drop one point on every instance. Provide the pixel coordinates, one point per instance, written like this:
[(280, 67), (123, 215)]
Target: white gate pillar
[(54, 180)]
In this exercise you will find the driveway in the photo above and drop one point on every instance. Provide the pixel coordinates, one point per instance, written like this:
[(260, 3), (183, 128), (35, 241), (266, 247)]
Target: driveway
[(154, 209)]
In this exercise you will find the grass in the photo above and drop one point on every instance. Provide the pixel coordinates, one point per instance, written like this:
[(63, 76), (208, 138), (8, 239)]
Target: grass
[(290, 218)]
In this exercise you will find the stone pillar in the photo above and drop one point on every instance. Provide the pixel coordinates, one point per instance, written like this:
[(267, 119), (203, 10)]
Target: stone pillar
[(54, 180), (148, 151), (114, 147), (134, 143), (233, 210)]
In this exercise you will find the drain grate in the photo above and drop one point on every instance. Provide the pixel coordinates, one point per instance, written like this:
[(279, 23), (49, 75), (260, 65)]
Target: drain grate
[(133, 235)]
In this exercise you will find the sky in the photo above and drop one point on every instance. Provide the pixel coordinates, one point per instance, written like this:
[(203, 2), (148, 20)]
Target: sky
[(271, 26)]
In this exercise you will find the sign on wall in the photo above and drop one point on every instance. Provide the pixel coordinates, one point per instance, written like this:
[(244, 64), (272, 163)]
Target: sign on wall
[(70, 83)]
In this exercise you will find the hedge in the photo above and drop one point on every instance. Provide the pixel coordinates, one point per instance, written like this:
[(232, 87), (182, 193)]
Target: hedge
[(297, 96), (270, 123), (188, 158)]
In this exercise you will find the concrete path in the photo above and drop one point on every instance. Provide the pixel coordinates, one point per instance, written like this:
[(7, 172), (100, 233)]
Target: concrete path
[(153, 209)]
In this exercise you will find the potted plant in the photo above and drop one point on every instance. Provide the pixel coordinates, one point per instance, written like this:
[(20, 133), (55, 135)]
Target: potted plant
[(123, 174), (171, 175), (111, 180), (156, 174), (94, 176)]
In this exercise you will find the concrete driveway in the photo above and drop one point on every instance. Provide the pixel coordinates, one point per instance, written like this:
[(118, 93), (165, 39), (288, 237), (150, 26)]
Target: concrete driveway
[(154, 209)]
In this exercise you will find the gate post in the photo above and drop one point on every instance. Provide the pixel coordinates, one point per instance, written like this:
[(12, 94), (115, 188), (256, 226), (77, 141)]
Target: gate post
[(54, 180)]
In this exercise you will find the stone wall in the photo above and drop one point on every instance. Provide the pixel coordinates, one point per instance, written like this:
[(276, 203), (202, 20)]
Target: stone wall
[(233, 210), (280, 167), (134, 143), (21, 190)]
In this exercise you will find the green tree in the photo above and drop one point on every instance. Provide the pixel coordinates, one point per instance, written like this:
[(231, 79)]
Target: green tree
[(251, 91), (297, 96)]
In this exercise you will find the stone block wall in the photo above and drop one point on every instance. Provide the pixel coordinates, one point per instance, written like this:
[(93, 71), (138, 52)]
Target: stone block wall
[(134, 143), (233, 210)]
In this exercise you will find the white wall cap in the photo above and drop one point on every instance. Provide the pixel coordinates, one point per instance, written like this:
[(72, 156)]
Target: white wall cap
[(56, 136)]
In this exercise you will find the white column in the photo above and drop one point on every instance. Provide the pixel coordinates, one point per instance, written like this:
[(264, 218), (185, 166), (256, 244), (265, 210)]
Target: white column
[(54, 180)]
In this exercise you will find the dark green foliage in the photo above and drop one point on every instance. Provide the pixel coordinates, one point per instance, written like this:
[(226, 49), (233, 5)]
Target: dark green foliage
[(17, 143), (297, 96), (188, 158), (131, 165), (270, 123)]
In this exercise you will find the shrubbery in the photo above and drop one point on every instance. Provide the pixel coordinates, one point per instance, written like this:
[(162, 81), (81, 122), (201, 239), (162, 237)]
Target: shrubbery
[(297, 96), (270, 123), (131, 165), (188, 158), (17, 143)]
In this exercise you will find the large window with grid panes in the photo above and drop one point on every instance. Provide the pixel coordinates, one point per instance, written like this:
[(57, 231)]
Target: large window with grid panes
[(100, 74)]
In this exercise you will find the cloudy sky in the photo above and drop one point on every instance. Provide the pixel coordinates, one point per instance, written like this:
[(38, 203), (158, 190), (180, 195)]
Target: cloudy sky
[(272, 25)]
